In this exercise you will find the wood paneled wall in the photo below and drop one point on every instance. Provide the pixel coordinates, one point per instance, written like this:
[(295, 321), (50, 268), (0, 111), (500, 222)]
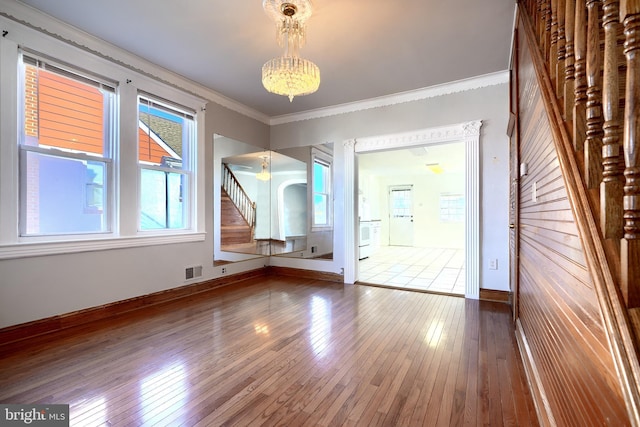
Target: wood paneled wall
[(558, 308)]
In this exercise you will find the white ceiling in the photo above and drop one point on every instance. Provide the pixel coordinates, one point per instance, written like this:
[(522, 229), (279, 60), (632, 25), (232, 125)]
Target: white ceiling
[(364, 49), (414, 161)]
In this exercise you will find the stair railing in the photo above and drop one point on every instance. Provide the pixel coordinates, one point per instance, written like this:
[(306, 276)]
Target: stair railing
[(591, 49), (239, 197), (589, 60)]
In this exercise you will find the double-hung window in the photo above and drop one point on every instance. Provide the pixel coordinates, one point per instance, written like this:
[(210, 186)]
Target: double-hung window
[(322, 193), (66, 144), (166, 158)]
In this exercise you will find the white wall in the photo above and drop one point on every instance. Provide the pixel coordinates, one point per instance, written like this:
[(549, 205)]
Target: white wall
[(428, 230), (489, 104)]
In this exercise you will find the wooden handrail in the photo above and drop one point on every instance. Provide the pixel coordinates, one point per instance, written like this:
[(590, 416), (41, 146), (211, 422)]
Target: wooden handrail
[(239, 197)]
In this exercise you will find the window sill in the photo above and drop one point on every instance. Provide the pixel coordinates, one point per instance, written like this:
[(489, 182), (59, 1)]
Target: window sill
[(25, 250)]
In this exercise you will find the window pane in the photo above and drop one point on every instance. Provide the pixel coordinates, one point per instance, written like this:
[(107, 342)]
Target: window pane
[(320, 209), (160, 135), (63, 113), (401, 203), (320, 173), (176, 206), (162, 204), (153, 209), (61, 195)]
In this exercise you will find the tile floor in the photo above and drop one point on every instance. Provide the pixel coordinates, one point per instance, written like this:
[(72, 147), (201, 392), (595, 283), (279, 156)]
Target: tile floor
[(430, 269)]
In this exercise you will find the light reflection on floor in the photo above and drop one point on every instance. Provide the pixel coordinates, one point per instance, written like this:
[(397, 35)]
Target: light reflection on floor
[(162, 393), (320, 331)]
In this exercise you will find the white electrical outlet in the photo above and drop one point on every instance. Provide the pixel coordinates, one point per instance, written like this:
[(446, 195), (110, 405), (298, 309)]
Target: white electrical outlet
[(224, 270), (493, 264)]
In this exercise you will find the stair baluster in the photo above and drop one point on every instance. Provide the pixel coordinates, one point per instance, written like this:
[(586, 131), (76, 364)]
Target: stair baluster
[(630, 244), (593, 142), (569, 70), (611, 188), (580, 106)]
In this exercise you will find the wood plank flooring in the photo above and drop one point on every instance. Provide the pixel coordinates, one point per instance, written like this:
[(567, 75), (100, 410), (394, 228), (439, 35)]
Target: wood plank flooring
[(283, 351)]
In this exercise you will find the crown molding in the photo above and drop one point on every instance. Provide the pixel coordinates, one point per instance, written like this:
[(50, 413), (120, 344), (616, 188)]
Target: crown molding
[(492, 79), (39, 21), (434, 135)]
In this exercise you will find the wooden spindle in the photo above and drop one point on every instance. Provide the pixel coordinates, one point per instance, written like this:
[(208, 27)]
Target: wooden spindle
[(593, 142), (580, 93), (611, 191), (561, 50), (630, 243), (569, 69), (546, 37), (553, 49)]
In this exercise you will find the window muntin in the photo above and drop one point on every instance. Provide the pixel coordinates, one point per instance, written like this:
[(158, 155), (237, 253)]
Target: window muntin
[(166, 144), (321, 184), (401, 201), (66, 141), (451, 207)]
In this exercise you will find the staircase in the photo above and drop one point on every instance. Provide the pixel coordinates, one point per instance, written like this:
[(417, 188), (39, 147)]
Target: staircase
[(234, 229), (588, 66), (238, 213)]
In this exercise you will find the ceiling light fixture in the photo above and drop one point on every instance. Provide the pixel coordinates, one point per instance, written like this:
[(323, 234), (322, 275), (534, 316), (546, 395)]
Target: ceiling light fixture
[(435, 168), (264, 175), (289, 75)]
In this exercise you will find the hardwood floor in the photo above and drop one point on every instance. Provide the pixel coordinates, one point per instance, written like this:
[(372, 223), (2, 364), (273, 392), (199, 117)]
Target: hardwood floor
[(283, 351)]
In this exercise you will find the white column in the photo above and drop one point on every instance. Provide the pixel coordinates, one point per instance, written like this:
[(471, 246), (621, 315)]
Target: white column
[(350, 197), (471, 131)]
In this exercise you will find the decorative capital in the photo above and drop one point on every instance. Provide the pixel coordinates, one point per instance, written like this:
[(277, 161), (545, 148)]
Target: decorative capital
[(472, 128), (349, 143)]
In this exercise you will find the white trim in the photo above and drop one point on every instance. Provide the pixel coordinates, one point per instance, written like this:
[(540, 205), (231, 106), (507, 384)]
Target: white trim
[(492, 79), (469, 133), (24, 250), (350, 237)]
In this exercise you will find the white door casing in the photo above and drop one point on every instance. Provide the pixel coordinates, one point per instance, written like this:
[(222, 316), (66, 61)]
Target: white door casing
[(467, 132)]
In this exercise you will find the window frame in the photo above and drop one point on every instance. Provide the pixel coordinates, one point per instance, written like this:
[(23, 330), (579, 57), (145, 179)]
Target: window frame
[(129, 79), (455, 214), (325, 159), (109, 140), (187, 161)]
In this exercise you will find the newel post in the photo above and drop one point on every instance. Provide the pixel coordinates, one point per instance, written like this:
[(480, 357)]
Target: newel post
[(630, 243), (612, 162)]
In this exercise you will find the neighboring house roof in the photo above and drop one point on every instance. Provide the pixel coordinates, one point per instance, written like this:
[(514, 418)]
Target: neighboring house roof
[(168, 131), (152, 148)]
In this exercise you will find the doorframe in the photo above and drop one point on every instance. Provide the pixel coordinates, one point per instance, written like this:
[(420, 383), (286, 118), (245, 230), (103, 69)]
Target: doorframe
[(466, 132)]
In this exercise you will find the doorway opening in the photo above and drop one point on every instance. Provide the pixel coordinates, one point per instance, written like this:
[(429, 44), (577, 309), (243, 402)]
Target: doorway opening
[(413, 202)]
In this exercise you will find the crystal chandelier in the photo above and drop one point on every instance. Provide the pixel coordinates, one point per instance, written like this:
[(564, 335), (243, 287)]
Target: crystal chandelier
[(264, 175), (290, 75)]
